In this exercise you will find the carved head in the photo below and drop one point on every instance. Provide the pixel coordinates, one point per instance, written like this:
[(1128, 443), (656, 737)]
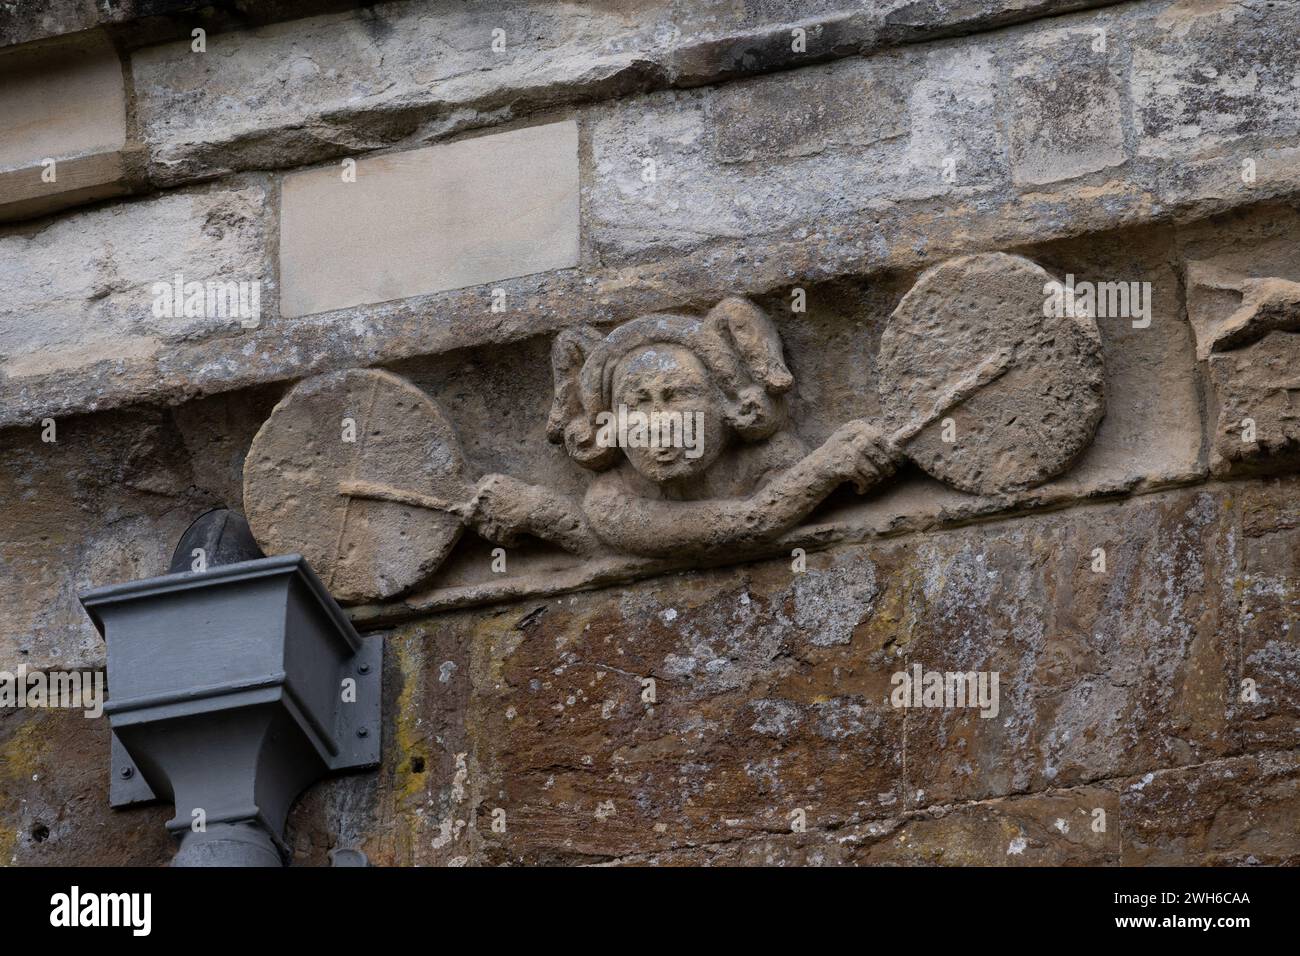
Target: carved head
[(717, 376)]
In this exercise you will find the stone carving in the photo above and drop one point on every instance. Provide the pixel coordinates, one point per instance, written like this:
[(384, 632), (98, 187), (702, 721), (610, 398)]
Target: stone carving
[(978, 386), (1252, 354), (300, 469), (1031, 423)]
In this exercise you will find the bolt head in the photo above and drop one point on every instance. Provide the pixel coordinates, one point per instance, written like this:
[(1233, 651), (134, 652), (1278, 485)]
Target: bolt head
[(363, 669), (127, 773), (363, 732)]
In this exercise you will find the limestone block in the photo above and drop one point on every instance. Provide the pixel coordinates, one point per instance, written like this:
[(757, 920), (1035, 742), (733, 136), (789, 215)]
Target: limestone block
[(463, 214), (298, 92), (792, 152), (1208, 76), (1104, 677), (1066, 98), (1257, 392), (79, 295), (63, 103), (1243, 303), (1230, 813), (349, 426), (1043, 410), (714, 223)]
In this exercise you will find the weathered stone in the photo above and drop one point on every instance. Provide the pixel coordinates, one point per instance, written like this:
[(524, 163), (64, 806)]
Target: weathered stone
[(1228, 813), (1149, 376), (1205, 78), (1256, 389), (1244, 304), (80, 297), (351, 428), (54, 796), (106, 501), (1102, 672), (144, 21), (62, 126), (686, 419), (61, 101), (1268, 305), (498, 399), (408, 73), (711, 228), (1088, 666), (1105, 676), (1109, 681), (471, 212), (1268, 612), (1024, 426), (1069, 112), (1050, 829), (854, 162), (767, 122)]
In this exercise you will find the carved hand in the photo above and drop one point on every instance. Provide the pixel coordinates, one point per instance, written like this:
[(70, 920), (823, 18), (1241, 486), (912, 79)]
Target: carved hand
[(858, 452), (500, 508), (504, 508)]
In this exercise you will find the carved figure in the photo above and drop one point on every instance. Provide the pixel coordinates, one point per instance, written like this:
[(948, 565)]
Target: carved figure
[(709, 464)]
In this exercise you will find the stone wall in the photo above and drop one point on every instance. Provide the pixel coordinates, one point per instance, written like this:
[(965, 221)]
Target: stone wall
[(407, 196)]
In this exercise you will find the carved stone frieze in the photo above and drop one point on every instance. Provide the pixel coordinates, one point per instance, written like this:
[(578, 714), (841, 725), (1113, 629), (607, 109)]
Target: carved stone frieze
[(684, 421)]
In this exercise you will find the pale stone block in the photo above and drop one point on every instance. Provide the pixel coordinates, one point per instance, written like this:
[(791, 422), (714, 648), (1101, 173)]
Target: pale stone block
[(1067, 114), (67, 103), (480, 210), (63, 101), (78, 295), (1209, 77)]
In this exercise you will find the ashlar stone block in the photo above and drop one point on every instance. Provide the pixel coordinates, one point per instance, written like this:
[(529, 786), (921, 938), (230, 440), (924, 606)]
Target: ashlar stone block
[(446, 217)]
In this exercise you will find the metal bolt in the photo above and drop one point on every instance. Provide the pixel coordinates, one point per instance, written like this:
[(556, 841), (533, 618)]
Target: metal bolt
[(128, 773), (363, 732), (363, 669)]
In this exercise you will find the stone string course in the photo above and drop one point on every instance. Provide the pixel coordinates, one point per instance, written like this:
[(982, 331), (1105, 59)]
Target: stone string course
[(860, 192), (621, 159)]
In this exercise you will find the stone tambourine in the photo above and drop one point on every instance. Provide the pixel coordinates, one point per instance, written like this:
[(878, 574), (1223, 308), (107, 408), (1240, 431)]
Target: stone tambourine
[(1030, 422), (307, 489)]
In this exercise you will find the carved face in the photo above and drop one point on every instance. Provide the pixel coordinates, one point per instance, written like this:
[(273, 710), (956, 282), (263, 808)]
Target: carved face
[(668, 411)]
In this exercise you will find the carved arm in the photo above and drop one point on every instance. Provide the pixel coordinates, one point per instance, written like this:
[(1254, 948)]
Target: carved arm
[(856, 452), (503, 508)]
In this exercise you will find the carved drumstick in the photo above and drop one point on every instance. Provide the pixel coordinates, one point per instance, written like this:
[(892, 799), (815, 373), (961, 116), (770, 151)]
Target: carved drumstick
[(987, 372), (375, 491)]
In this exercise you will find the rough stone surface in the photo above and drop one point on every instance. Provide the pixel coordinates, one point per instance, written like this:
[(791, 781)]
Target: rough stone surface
[(1120, 691), (707, 227), (1030, 423), (1200, 87), (1257, 389), (402, 73), (1243, 303), (497, 402), (980, 387), (106, 502), (79, 293), (353, 427), (1068, 93), (144, 21), (480, 210)]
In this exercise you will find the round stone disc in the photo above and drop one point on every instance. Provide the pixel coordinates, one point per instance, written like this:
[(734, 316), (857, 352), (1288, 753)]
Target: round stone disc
[(1022, 428), (363, 549)]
